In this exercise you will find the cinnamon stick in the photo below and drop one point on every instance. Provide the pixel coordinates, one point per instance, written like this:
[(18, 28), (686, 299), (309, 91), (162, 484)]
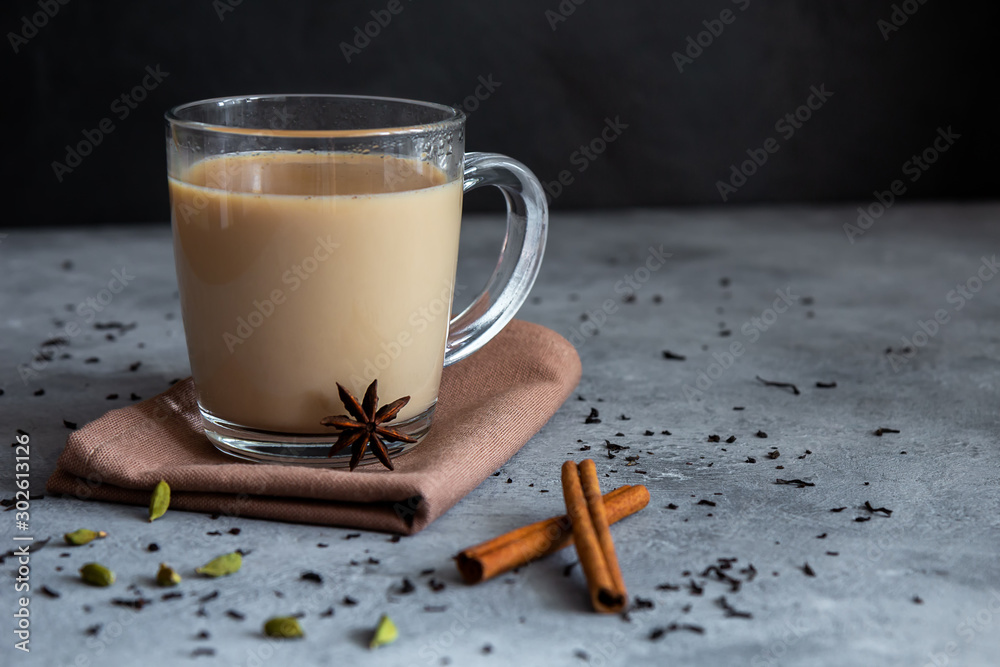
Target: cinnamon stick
[(592, 537), (542, 538)]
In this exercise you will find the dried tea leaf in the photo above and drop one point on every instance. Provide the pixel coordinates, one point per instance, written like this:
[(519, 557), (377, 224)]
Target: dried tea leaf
[(385, 633), (83, 536), (96, 574), (167, 576), (221, 566), (285, 627), (160, 500)]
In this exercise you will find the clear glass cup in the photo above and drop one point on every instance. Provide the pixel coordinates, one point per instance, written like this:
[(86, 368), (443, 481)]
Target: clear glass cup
[(316, 243)]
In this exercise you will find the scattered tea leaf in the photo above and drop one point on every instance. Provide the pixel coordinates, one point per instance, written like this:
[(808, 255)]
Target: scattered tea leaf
[(780, 385), (136, 603), (795, 482), (883, 510), (729, 610)]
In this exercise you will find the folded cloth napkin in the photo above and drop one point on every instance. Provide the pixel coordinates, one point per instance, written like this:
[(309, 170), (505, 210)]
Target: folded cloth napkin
[(489, 406)]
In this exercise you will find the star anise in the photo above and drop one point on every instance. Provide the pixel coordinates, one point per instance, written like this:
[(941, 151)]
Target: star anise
[(366, 429)]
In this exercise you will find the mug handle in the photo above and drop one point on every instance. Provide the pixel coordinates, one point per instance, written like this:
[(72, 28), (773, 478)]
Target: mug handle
[(520, 257)]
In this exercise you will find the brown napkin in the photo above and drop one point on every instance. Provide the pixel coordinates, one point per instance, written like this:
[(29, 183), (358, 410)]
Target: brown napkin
[(489, 406)]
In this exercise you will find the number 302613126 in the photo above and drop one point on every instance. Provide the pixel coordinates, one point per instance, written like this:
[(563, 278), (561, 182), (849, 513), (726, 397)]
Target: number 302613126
[(22, 467)]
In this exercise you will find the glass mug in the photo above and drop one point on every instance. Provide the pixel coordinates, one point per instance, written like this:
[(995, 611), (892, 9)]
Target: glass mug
[(316, 243)]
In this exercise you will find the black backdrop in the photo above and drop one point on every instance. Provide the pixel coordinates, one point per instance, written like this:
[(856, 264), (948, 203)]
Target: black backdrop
[(558, 71)]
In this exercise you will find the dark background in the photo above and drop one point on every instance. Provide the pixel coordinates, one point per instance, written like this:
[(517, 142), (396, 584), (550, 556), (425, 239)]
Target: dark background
[(556, 87)]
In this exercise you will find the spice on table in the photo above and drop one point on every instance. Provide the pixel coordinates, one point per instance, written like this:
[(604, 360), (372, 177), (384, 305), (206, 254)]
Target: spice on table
[(96, 574), (223, 565), (592, 537), (367, 429), (83, 536), (283, 627), (167, 576), (542, 538), (160, 500), (385, 633)]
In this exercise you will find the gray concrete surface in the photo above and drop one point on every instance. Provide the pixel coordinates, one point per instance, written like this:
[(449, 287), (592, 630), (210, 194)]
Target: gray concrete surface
[(921, 587)]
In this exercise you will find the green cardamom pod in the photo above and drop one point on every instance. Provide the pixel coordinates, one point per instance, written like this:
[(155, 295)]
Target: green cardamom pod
[(385, 633), (283, 626), (96, 574), (83, 536), (160, 501), (166, 576), (223, 565)]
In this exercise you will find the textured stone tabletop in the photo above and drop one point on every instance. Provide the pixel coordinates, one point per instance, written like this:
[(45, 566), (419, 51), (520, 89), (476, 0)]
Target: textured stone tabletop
[(905, 320)]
